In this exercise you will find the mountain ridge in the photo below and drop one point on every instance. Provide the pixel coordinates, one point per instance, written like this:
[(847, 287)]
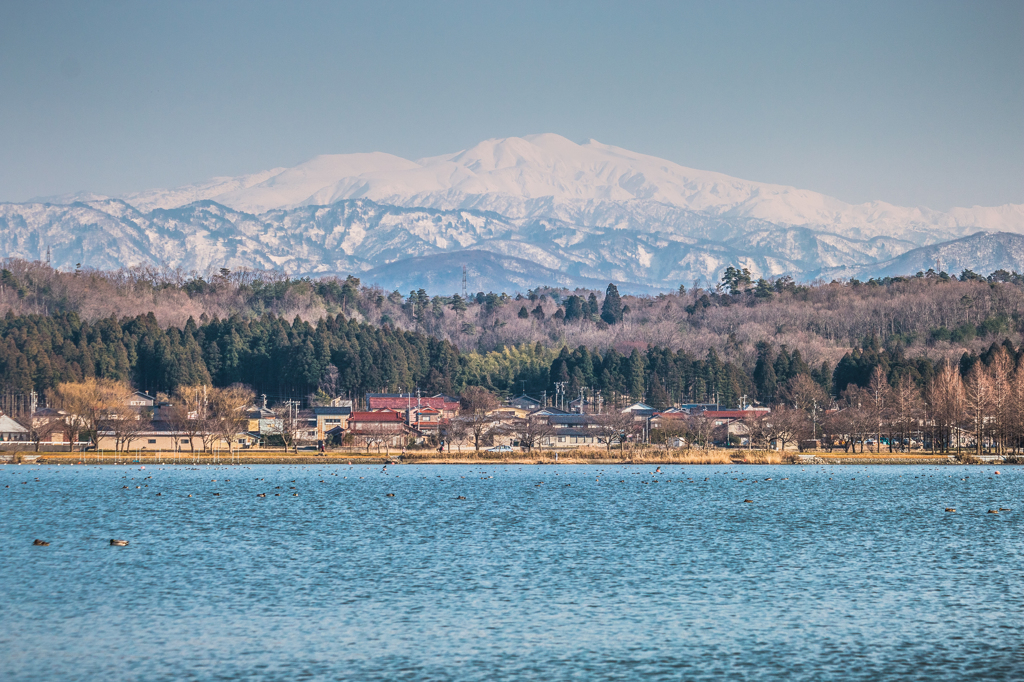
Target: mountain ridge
[(579, 212), (396, 245), (547, 175)]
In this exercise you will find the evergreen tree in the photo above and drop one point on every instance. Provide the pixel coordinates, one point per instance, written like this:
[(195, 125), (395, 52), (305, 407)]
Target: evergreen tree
[(636, 375), (659, 398), (458, 305), (765, 382), (573, 308), (611, 309)]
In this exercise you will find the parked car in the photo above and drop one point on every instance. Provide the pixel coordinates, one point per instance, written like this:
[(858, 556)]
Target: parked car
[(500, 448)]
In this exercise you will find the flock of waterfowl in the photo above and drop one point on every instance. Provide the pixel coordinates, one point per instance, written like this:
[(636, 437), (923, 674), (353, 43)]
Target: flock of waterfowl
[(412, 470)]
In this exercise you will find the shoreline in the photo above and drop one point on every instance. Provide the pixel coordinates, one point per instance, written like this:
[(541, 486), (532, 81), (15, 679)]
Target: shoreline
[(571, 457)]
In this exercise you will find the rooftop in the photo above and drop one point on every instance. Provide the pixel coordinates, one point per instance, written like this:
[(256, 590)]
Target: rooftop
[(332, 410), (376, 417)]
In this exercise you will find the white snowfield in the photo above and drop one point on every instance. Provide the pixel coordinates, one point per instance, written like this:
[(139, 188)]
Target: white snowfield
[(550, 176), (519, 213)]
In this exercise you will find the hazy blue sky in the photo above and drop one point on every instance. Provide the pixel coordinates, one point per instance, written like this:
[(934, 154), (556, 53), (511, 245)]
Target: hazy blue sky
[(912, 103)]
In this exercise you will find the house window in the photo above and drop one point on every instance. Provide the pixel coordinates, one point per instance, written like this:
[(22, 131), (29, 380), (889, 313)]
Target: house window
[(184, 441), (561, 439), (152, 441), (241, 441)]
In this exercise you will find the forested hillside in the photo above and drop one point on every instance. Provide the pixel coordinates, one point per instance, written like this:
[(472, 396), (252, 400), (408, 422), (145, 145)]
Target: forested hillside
[(290, 338)]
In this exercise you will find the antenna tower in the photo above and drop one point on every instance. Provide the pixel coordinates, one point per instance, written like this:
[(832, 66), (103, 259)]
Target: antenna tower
[(464, 280)]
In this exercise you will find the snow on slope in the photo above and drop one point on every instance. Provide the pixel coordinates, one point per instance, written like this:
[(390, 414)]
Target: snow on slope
[(392, 242), (982, 252), (549, 176)]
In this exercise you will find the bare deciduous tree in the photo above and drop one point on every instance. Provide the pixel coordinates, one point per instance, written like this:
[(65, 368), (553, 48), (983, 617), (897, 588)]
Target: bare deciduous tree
[(945, 397), (528, 433)]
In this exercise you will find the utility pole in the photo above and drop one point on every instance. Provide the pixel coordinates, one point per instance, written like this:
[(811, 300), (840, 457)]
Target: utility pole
[(814, 419), (560, 394)]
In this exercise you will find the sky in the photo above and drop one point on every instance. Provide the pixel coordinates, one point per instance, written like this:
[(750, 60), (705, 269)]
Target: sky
[(914, 103)]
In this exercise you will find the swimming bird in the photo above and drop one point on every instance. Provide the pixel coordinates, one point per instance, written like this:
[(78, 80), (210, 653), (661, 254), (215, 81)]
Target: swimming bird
[(118, 543), (950, 509), (993, 511), (261, 495), (460, 497), (41, 543), (748, 501), (390, 495)]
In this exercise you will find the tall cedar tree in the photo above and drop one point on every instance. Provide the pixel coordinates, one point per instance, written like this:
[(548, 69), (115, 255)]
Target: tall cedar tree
[(611, 309)]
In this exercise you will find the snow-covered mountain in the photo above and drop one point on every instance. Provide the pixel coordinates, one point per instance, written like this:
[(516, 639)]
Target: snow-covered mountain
[(548, 176), (539, 206)]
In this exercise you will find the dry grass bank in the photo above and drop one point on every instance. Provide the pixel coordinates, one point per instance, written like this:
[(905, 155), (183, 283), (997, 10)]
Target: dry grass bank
[(171, 458), (636, 455)]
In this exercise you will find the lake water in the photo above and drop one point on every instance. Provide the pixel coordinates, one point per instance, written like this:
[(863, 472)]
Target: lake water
[(540, 573)]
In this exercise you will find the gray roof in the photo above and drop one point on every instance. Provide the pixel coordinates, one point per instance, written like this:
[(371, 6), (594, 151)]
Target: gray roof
[(8, 425), (548, 410), (332, 410), (576, 419), (575, 432)]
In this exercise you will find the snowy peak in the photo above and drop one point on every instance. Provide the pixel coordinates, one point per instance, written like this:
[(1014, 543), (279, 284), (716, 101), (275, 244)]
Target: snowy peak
[(549, 176), (296, 186)]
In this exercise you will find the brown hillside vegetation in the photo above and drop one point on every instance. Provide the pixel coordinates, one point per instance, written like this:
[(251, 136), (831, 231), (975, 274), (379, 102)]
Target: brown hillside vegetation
[(936, 316)]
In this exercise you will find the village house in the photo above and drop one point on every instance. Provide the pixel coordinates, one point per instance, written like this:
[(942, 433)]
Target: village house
[(569, 438), (331, 421), (262, 420), (387, 426), (426, 421), (50, 426), (522, 405), (11, 430), (640, 411), (446, 405), (141, 399), (163, 436)]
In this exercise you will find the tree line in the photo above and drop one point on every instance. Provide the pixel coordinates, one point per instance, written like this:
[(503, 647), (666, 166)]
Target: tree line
[(928, 313)]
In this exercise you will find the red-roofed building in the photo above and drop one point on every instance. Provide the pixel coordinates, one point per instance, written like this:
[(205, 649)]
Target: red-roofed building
[(385, 427), (449, 407), (359, 421), (426, 421)]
